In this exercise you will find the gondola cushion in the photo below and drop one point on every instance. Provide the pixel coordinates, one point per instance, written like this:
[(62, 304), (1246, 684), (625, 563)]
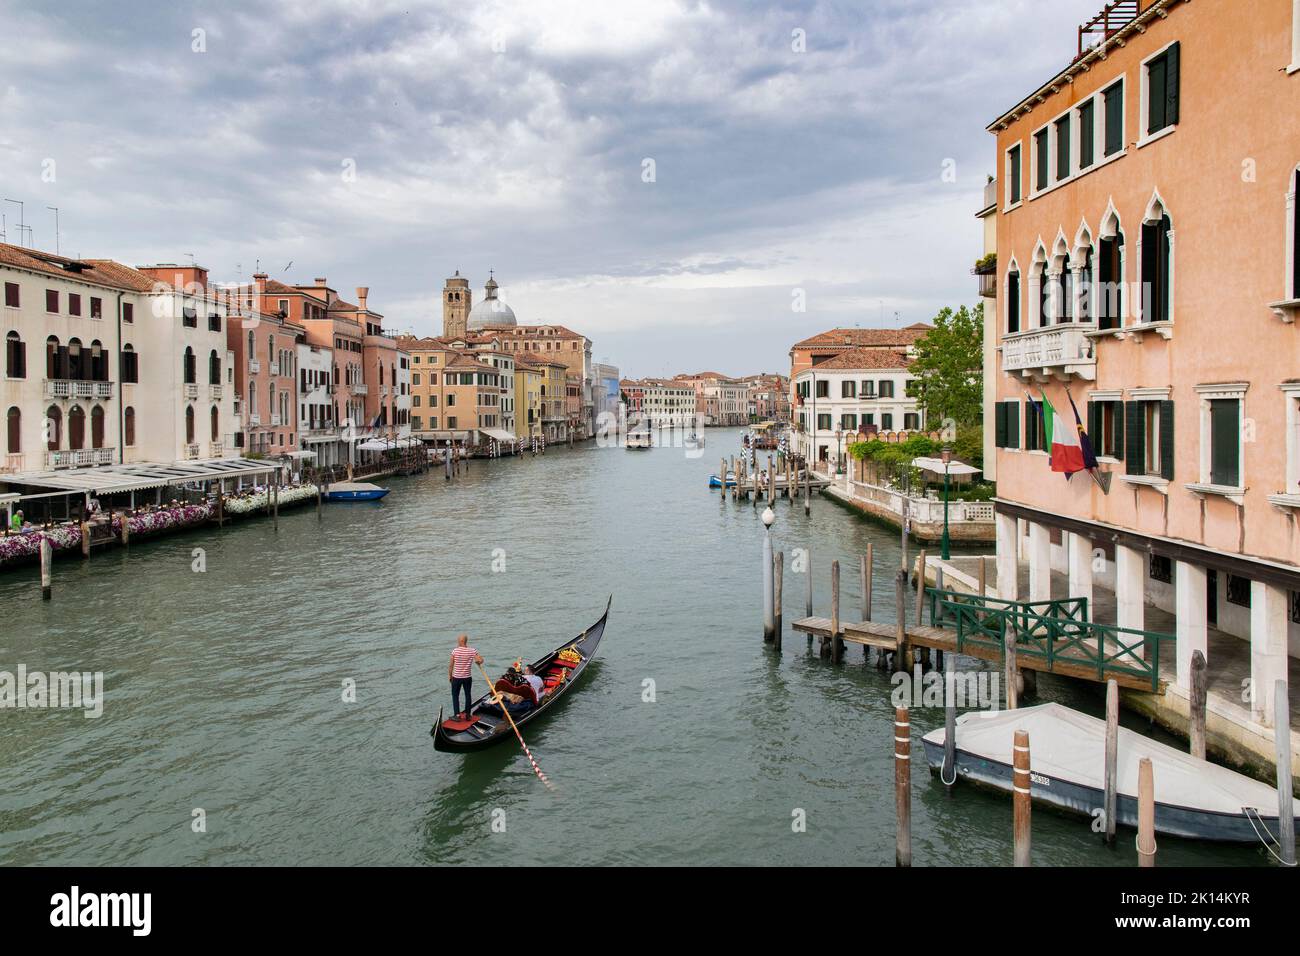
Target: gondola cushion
[(524, 690), (456, 725), (568, 664)]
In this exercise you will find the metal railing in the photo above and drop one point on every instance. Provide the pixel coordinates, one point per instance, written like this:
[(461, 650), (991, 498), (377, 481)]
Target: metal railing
[(1051, 631)]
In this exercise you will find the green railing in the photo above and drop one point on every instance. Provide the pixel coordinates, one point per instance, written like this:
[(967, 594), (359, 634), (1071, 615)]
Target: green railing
[(1049, 631)]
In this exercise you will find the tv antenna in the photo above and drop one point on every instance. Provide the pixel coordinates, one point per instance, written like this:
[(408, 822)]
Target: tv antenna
[(56, 228), (22, 226)]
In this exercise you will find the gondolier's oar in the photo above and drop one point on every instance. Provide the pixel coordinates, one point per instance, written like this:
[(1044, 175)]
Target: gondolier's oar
[(502, 704)]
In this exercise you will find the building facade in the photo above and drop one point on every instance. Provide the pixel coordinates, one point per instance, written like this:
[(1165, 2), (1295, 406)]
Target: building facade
[(1148, 269)]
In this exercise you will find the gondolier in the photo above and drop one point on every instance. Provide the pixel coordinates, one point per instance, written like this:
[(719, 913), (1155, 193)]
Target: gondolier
[(458, 672)]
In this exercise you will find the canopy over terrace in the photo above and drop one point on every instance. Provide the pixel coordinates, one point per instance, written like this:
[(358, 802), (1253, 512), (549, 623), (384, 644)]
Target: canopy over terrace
[(499, 434), (115, 479)]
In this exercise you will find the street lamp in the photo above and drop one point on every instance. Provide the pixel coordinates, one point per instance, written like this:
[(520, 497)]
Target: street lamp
[(839, 454), (947, 459), (769, 604)]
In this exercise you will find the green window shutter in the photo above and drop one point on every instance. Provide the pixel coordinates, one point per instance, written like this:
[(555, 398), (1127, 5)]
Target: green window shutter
[(1225, 437), (1085, 134), (1031, 427), (1119, 430), (1094, 426), (1167, 440), (1171, 85), (1013, 424), (1114, 103), (1015, 175), (1000, 425), (1135, 436), (1040, 158), (1063, 146), (1156, 101)]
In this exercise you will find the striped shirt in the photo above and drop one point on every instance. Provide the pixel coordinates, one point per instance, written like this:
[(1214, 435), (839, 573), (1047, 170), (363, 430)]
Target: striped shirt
[(461, 659)]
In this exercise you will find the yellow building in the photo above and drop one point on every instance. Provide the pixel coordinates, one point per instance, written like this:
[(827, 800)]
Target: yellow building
[(530, 376)]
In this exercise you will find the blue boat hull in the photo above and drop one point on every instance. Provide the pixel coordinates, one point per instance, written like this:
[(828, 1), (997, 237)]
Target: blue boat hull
[(356, 495), (716, 482)]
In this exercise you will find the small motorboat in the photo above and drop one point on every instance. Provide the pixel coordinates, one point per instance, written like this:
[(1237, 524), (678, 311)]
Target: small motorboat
[(1067, 755), (638, 439), (715, 482), (484, 724), (354, 491), (694, 440)]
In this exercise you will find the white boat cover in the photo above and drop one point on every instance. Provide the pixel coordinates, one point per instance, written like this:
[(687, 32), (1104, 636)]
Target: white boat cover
[(1067, 745)]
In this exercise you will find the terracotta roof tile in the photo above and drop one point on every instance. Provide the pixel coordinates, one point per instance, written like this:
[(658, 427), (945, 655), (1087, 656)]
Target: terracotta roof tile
[(865, 358), (879, 338)]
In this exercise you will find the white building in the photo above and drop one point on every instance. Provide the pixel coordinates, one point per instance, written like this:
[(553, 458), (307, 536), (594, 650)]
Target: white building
[(667, 403), (858, 389), (318, 432)]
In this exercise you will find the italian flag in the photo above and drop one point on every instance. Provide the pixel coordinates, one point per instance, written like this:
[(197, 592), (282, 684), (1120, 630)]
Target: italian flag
[(1062, 438)]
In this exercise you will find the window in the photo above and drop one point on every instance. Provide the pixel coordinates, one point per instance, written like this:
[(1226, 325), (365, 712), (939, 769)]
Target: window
[(823, 422), (1040, 160), (1113, 104), (189, 424), (15, 356), (1161, 568), (1087, 119), (128, 426), (451, 422), (887, 421), (1157, 254), (848, 389), (54, 419), (1085, 286), (849, 423), (1013, 175), (190, 317), (1295, 227), (1237, 590), (1063, 288), (214, 323), (74, 304), (215, 417), (886, 388), (14, 431), (1106, 427), (129, 367), (96, 308), (1063, 147), (214, 368), (1035, 429), (97, 427), (1224, 424), (11, 295), (823, 389), (433, 401), (51, 300), (1013, 301), (867, 388), (1162, 90), (76, 428), (911, 421), (189, 367), (128, 312), (415, 401), (1110, 281), (1149, 438)]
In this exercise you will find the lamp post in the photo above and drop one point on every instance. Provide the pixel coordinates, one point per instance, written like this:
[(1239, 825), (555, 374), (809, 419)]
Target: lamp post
[(839, 454), (947, 459), (769, 607)]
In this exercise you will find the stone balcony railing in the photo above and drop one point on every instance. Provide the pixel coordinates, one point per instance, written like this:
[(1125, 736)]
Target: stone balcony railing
[(275, 419), (75, 388), (216, 449), (254, 366), (80, 457), (255, 419), (1054, 351), (360, 388), (192, 450), (216, 392), (191, 390)]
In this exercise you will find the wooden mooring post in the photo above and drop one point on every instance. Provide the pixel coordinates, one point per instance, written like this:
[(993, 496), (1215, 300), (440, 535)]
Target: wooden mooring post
[(778, 572), (808, 580), (903, 786), (1282, 749), (47, 560), (1009, 659), (275, 502), (1022, 806), (85, 539), (948, 776), (807, 489), (1146, 841), (1108, 808), (722, 477), (837, 640), (864, 576), (1196, 707)]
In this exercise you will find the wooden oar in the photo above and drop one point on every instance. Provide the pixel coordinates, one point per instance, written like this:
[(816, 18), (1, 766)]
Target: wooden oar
[(502, 704)]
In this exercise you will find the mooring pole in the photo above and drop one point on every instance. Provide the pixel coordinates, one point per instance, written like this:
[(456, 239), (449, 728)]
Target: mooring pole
[(1282, 745), (778, 574), (949, 775), (1112, 758), (903, 786), (1021, 805), (1196, 729), (1146, 841)]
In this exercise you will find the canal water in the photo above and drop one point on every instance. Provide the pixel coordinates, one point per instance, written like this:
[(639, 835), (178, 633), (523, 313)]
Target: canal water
[(689, 741)]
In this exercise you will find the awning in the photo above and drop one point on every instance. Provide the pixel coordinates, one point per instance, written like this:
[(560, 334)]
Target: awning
[(936, 465), (299, 454), (500, 434), (388, 444), (111, 479)]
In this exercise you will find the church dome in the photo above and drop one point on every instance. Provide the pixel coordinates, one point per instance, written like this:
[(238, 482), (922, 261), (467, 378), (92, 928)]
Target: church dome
[(490, 311)]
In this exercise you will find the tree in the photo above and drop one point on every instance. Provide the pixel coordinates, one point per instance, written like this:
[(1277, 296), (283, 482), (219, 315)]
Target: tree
[(949, 368)]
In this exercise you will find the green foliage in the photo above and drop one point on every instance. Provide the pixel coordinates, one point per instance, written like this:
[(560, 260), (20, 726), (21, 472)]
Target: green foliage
[(949, 368)]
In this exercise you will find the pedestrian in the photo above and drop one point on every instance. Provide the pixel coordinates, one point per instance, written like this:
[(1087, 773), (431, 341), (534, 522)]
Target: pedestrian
[(458, 672)]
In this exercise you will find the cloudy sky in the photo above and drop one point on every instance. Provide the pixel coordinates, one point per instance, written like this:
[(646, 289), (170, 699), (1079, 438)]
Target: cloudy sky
[(388, 144)]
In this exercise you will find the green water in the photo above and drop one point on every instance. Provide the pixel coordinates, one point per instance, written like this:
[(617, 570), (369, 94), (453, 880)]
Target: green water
[(223, 689)]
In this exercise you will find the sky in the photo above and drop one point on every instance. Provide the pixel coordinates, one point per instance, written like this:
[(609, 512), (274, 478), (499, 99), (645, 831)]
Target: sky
[(671, 179)]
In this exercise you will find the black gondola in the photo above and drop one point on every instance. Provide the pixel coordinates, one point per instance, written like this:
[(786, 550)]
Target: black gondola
[(483, 729)]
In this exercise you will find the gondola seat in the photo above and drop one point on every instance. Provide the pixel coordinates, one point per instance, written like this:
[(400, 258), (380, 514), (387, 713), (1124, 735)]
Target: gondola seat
[(524, 690)]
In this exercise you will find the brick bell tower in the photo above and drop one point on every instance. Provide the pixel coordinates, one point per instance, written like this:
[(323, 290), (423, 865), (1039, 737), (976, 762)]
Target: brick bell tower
[(455, 306)]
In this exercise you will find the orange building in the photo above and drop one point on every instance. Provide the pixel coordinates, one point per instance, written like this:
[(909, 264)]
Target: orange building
[(1148, 268)]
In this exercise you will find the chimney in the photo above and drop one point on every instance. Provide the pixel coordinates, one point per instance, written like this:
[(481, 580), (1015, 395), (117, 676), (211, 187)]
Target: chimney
[(362, 293), (259, 279), (320, 281)]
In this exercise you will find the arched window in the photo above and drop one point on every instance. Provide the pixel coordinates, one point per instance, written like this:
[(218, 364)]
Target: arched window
[(98, 362), (216, 423), (189, 424), (1065, 291), (14, 429), (15, 356), (97, 427), (53, 357), (1157, 263), (74, 369), (214, 368), (54, 427), (190, 367), (130, 365), (270, 348), (1013, 298), (1040, 291), (76, 428), (1086, 292), (128, 427), (1110, 302), (252, 347)]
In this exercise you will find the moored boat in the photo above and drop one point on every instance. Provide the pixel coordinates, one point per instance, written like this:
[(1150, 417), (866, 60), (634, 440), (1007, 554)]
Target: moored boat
[(354, 491), (638, 439), (1193, 798), (716, 482), (559, 670)]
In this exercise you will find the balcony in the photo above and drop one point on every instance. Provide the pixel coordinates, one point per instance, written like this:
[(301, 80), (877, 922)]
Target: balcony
[(216, 449), (191, 451), (986, 270), (275, 419), (360, 388), (990, 197), (254, 419), (80, 458), (191, 390), (1057, 351), (254, 366), (273, 368), (216, 392), (75, 388)]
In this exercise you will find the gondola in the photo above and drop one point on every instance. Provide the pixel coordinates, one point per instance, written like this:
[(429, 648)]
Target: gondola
[(483, 729)]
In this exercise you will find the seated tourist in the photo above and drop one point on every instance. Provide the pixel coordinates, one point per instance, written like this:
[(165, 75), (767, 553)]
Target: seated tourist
[(535, 682)]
